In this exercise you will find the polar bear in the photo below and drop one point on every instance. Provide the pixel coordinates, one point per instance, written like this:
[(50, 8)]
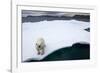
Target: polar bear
[(40, 46)]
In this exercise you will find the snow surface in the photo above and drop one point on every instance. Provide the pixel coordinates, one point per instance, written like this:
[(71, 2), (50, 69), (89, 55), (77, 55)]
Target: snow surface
[(57, 34)]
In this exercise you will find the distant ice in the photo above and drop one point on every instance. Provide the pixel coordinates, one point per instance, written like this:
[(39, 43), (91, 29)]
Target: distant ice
[(26, 13), (57, 34)]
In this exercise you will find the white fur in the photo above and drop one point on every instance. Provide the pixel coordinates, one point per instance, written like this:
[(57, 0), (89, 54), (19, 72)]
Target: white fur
[(40, 46)]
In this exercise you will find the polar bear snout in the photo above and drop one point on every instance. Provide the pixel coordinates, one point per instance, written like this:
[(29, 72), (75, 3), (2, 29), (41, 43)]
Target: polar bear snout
[(40, 46)]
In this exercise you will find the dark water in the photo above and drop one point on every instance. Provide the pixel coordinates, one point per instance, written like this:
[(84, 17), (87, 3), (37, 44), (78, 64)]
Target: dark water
[(87, 29), (76, 52), (85, 18)]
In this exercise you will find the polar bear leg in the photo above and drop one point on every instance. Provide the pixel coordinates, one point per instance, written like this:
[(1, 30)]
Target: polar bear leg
[(38, 51), (42, 51)]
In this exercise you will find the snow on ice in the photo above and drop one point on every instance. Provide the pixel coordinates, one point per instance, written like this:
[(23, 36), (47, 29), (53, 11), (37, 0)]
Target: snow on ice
[(57, 34)]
